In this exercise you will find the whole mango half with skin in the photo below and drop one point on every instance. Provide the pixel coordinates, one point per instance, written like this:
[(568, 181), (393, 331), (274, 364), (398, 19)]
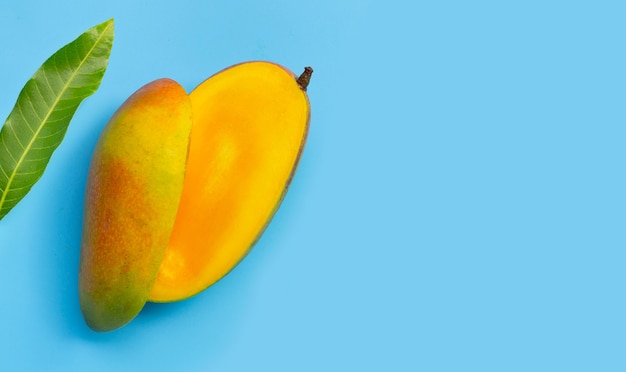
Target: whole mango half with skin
[(165, 219), (134, 186)]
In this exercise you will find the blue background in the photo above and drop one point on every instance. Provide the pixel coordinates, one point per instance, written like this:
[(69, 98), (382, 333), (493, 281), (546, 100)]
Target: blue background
[(460, 205)]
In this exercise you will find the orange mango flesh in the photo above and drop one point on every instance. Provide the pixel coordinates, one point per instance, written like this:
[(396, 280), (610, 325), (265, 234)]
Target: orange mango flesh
[(134, 186), (250, 123)]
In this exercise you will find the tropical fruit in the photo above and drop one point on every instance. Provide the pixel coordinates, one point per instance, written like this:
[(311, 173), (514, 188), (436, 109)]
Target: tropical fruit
[(168, 214)]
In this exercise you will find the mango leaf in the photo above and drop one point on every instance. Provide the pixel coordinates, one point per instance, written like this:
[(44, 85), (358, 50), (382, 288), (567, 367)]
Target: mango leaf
[(44, 108)]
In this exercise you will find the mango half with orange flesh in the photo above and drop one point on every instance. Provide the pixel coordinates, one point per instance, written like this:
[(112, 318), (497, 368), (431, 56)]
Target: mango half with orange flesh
[(249, 127)]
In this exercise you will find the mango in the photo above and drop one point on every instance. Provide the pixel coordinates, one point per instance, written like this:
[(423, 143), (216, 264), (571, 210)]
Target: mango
[(134, 186), (249, 125)]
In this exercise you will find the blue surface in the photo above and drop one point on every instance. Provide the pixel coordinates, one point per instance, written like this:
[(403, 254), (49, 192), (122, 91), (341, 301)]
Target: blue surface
[(460, 205)]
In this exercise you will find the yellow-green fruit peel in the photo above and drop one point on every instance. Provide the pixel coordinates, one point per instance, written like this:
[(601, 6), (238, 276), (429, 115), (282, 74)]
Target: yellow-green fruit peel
[(134, 186)]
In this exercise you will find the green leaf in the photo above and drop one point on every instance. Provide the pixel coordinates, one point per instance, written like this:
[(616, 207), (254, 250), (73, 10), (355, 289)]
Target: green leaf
[(38, 122)]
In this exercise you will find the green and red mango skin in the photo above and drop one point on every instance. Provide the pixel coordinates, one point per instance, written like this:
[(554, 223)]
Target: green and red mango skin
[(133, 190)]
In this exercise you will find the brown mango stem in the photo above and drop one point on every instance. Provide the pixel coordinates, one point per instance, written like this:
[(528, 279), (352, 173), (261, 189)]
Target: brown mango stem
[(304, 79)]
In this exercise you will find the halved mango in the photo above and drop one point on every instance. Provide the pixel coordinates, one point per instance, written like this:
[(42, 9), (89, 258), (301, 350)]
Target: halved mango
[(250, 124), (133, 190), (169, 213)]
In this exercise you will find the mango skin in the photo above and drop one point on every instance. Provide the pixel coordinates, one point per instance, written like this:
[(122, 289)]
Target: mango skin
[(134, 186)]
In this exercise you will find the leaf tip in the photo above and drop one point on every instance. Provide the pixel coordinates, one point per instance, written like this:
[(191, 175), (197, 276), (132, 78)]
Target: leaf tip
[(108, 24)]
